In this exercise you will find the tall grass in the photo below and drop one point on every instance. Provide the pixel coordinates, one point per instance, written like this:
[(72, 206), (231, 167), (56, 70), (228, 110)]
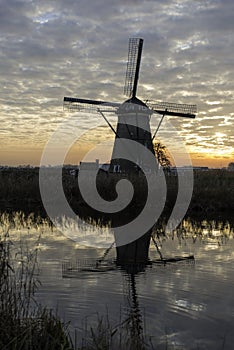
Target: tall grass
[(25, 324), (213, 191), (123, 336)]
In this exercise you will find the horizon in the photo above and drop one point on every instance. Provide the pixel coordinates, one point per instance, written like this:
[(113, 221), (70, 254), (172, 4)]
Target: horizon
[(49, 52), (28, 166)]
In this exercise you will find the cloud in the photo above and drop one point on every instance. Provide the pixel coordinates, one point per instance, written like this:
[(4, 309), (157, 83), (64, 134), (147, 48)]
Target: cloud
[(78, 48)]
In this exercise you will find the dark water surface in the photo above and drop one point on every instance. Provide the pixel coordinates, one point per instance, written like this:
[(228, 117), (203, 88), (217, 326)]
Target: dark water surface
[(183, 305)]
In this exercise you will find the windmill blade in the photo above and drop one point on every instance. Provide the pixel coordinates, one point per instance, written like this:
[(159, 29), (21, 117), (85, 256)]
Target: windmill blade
[(133, 66), (79, 104), (173, 109)]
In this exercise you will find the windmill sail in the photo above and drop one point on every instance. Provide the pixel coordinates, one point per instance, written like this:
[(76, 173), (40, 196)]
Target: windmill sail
[(173, 109), (85, 105), (133, 66)]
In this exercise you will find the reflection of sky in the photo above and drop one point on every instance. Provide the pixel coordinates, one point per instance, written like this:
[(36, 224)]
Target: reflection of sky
[(190, 304), (50, 50)]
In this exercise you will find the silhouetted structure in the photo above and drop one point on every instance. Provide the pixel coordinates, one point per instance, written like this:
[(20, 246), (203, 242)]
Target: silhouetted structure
[(134, 257), (134, 125)]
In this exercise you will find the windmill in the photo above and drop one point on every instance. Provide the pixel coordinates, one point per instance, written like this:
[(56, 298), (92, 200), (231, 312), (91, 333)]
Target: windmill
[(133, 114), (134, 125)]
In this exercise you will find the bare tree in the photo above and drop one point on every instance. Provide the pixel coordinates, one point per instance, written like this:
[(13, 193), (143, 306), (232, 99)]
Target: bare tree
[(161, 154)]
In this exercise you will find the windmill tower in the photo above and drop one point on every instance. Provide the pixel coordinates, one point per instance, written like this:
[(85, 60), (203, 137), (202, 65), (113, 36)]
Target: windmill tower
[(133, 115)]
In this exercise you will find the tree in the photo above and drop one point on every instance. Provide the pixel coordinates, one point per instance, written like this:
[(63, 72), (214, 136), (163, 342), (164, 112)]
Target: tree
[(161, 154), (231, 166)]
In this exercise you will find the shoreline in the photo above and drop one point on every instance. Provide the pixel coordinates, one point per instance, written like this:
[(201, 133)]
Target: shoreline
[(212, 198)]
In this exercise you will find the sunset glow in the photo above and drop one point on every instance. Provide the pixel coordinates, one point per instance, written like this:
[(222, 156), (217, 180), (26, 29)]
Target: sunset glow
[(49, 51)]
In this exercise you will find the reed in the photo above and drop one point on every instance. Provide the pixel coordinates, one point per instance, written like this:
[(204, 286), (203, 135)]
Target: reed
[(25, 324), (124, 336)]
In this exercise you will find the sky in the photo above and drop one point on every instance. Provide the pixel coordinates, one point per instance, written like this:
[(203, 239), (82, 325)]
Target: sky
[(78, 48)]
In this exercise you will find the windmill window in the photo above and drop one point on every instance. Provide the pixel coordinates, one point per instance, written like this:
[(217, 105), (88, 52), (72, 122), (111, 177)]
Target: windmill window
[(116, 168)]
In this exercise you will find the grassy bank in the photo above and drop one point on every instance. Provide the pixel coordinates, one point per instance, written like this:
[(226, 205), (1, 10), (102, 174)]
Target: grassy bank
[(213, 191)]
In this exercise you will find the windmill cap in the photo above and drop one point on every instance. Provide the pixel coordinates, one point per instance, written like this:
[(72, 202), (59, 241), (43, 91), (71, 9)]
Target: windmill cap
[(134, 105)]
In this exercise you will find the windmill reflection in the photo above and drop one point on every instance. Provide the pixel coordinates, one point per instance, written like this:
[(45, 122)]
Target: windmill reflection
[(134, 257), (134, 318)]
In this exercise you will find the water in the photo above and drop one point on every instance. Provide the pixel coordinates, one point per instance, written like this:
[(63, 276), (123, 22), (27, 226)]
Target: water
[(183, 305)]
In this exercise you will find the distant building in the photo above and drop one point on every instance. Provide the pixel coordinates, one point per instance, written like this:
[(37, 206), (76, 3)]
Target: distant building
[(201, 168), (89, 165)]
